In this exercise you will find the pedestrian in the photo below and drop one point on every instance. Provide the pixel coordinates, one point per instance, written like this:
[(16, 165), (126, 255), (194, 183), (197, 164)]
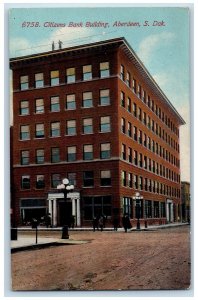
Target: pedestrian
[(72, 221), (101, 223), (48, 220), (126, 222), (95, 224), (115, 223)]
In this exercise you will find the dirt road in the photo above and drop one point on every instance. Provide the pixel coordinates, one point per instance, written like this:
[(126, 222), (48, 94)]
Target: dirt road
[(109, 261)]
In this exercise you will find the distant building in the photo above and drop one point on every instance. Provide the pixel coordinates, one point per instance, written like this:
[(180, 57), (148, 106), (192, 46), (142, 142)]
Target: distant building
[(185, 197), (93, 114)]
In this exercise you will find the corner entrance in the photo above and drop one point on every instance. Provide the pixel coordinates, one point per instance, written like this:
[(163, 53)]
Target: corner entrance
[(64, 213)]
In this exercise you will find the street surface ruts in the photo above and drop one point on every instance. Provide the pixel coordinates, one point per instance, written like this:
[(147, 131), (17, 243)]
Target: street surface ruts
[(157, 259)]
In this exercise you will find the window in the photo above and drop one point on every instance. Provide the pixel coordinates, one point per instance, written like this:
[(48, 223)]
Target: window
[(39, 131), (24, 84), (130, 155), (148, 209), (87, 99), (140, 114), (135, 158), (39, 156), (148, 122), (130, 182), (70, 102), (134, 109), (104, 97), (24, 107), (135, 133), (123, 126), (55, 180), (105, 178), (55, 155), (71, 153), (141, 182), (128, 79), (72, 178), (105, 125), (153, 126), (39, 106), (39, 82), (129, 129), (24, 132), (129, 104), (145, 162), (54, 105), (40, 181), (25, 182), (135, 181), (105, 151), (55, 129), (146, 184), (122, 72), (96, 205), (54, 76), (134, 86), (144, 96), (150, 167), (145, 140), (88, 152), (122, 99), (87, 72), (128, 206), (25, 157), (70, 75), (104, 69), (88, 126), (140, 137), (140, 160), (124, 178), (144, 118), (124, 151), (71, 127), (149, 143), (139, 91), (88, 178), (149, 101)]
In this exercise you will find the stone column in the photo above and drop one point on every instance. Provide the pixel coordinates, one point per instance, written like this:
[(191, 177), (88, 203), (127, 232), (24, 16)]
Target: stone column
[(78, 212), (50, 207), (54, 212), (73, 207)]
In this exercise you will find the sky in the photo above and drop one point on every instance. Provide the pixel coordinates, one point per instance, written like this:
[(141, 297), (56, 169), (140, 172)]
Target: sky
[(164, 50)]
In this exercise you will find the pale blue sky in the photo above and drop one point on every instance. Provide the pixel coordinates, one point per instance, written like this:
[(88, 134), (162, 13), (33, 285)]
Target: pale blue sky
[(164, 50)]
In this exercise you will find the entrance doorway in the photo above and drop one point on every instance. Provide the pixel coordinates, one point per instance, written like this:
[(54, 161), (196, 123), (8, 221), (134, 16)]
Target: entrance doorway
[(65, 213)]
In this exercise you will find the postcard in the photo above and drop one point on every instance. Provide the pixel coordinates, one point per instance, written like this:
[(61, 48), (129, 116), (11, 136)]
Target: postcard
[(100, 148)]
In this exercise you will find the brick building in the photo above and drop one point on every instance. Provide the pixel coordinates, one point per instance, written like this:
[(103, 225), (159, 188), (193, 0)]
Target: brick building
[(185, 198), (93, 114)]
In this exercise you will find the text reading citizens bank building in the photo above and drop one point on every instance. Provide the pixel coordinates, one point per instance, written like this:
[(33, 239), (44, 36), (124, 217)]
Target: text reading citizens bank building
[(93, 114)]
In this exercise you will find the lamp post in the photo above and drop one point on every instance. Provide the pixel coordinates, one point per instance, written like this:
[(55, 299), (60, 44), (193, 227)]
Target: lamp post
[(65, 187), (137, 199)]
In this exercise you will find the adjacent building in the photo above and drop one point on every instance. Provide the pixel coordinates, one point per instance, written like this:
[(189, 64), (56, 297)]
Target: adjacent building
[(185, 198), (93, 114)]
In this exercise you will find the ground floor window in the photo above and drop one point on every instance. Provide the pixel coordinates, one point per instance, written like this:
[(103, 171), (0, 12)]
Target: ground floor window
[(163, 210), (32, 209), (148, 209), (96, 206), (128, 206), (139, 209), (156, 209)]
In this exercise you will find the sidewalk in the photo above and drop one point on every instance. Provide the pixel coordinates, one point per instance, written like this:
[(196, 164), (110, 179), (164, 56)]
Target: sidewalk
[(28, 243)]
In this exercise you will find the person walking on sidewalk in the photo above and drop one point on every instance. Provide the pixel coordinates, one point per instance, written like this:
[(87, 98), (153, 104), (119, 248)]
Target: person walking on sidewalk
[(101, 223), (126, 222), (95, 224)]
